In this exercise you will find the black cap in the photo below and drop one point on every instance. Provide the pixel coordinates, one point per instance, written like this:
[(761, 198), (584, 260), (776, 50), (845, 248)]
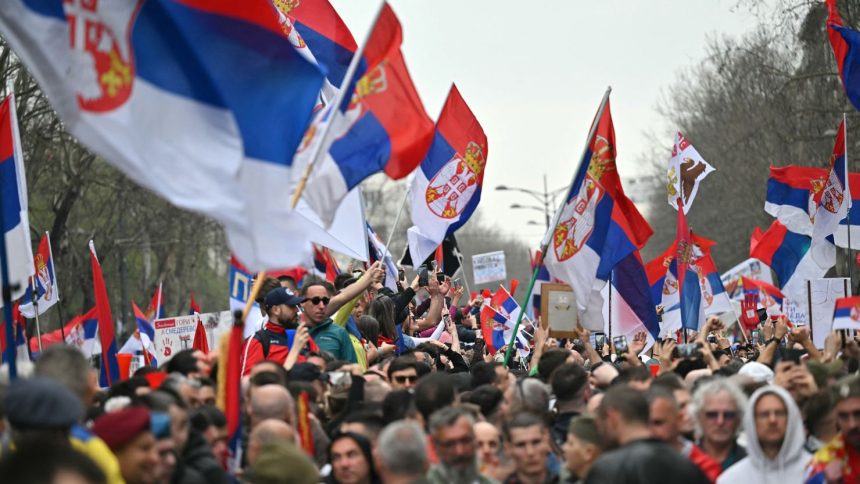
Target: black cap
[(42, 403), (282, 295), (305, 372)]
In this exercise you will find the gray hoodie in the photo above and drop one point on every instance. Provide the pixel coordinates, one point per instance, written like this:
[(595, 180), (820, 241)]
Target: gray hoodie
[(789, 464)]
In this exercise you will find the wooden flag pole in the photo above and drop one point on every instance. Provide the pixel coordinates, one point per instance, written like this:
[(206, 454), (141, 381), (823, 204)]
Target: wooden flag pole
[(548, 236)]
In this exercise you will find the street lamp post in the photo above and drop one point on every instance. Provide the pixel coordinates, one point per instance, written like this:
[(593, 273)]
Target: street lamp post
[(545, 198)]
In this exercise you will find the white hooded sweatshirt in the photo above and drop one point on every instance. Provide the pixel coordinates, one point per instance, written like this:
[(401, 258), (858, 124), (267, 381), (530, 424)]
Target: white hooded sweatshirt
[(789, 464)]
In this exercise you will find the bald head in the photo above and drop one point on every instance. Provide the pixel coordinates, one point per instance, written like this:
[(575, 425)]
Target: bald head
[(269, 431), (272, 401)]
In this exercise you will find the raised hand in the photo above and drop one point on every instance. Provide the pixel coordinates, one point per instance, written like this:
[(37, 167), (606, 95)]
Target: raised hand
[(749, 311)]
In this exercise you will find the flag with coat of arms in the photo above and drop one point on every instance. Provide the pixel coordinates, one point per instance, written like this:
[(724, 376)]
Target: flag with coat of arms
[(44, 285), (446, 187), (687, 169)]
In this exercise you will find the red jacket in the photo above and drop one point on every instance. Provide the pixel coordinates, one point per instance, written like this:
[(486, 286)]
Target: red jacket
[(708, 465), (280, 340)]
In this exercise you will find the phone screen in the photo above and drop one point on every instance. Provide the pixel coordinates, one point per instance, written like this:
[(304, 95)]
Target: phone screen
[(422, 276), (599, 340), (620, 344), (440, 277), (755, 337)]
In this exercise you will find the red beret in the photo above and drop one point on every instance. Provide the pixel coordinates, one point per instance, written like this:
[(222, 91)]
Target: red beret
[(120, 427)]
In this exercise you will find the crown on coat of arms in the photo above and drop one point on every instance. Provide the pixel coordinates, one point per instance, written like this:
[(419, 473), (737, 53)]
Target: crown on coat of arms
[(474, 158), (286, 6), (371, 83), (601, 159)]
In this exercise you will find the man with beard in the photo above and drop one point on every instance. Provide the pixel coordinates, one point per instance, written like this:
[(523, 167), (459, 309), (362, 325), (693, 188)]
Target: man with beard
[(281, 331), (839, 460), (453, 434)]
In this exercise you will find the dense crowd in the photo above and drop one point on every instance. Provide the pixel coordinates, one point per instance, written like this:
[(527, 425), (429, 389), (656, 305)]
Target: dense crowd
[(353, 382)]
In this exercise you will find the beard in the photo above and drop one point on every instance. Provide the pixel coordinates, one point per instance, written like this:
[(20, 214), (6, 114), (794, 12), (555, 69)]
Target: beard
[(463, 475), (287, 322)]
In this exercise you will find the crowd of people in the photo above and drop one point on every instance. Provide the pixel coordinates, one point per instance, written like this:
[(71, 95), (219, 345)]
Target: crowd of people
[(356, 383)]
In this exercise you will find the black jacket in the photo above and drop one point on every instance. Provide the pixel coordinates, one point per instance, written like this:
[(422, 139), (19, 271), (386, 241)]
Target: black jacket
[(646, 461), (199, 460)]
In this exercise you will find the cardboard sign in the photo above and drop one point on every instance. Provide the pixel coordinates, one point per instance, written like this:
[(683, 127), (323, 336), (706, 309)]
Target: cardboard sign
[(173, 335), (796, 311), (558, 310), (489, 267), (750, 268)]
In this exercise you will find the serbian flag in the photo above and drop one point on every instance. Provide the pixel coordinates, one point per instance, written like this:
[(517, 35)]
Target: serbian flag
[(792, 196), (193, 307), (44, 282), (501, 328), (835, 196), (534, 306), (846, 44), (632, 308), (240, 283), (317, 32), (13, 183), (109, 373), (204, 102), (689, 291), (81, 332), (769, 297), (324, 263), (846, 313), (378, 252), (446, 188), (230, 393), (381, 125), (155, 310), (142, 338), (201, 341), (20, 337), (795, 258), (598, 226)]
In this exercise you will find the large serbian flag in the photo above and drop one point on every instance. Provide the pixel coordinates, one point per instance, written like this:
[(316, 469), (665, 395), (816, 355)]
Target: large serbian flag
[(795, 258), (44, 287), (446, 188), (204, 102), (381, 125), (846, 48), (598, 226), (109, 373), (846, 313), (835, 196), (16, 228)]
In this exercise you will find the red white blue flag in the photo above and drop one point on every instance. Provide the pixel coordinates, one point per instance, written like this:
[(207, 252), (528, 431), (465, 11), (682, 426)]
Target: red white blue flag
[(109, 372), (446, 187), (769, 296), (13, 189), (598, 226), (846, 313), (835, 196), (240, 282), (142, 338), (846, 48), (185, 97), (44, 283), (381, 125)]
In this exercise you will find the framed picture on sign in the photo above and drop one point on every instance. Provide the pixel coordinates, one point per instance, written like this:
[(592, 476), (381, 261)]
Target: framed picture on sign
[(558, 310)]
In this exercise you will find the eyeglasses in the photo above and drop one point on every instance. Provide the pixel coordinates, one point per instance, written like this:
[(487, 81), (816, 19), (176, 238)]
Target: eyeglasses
[(767, 414), (401, 379), (730, 415), (316, 300)]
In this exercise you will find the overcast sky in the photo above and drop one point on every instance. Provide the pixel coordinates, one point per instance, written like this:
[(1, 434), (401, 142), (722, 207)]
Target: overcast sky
[(533, 73)]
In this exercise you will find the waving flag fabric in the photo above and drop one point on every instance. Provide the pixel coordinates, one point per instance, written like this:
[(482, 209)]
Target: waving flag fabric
[(835, 196), (142, 338), (185, 97), (846, 48), (534, 307), (80, 332), (378, 252), (446, 187), (380, 126), (846, 313), (687, 169), (598, 226), (689, 291), (794, 258), (793, 193), (155, 310), (193, 307), (45, 282), (633, 309), (19, 337), (769, 297), (16, 227), (109, 373), (325, 264)]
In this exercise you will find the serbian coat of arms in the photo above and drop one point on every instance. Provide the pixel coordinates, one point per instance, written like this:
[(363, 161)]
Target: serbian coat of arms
[(452, 187)]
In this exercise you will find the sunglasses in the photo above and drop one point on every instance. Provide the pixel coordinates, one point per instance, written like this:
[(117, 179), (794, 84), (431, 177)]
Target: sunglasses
[(405, 378), (316, 300), (730, 415)]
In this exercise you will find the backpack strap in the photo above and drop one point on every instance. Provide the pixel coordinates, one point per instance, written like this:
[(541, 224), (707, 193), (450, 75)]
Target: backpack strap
[(263, 337)]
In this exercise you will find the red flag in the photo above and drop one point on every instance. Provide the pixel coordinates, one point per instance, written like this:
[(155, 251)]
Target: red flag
[(155, 310), (201, 341), (194, 307), (487, 328), (230, 391), (755, 238), (110, 367), (439, 258), (306, 438), (514, 284)]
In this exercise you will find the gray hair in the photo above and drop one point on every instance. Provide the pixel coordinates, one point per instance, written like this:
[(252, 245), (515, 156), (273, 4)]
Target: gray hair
[(715, 387), (447, 416), (530, 395), (67, 366), (402, 448)]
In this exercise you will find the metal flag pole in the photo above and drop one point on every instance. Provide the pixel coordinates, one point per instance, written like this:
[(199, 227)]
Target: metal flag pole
[(57, 289), (335, 106), (848, 196), (36, 311), (556, 216)]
